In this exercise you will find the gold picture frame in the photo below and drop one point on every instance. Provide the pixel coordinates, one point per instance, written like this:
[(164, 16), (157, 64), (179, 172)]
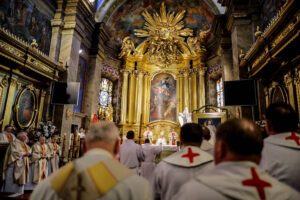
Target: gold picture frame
[(29, 113), (216, 118)]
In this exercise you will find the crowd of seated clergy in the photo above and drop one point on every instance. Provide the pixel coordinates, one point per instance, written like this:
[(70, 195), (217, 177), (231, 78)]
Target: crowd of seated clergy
[(237, 164)]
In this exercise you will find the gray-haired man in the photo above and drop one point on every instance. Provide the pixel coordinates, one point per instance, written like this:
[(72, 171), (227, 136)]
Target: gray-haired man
[(96, 175)]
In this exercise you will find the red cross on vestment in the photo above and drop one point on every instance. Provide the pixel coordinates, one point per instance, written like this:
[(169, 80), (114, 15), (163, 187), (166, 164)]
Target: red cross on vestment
[(294, 137), (258, 183), (190, 155)]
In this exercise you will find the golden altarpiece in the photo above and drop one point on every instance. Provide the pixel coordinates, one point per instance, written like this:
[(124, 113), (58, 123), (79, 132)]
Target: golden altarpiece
[(163, 75)]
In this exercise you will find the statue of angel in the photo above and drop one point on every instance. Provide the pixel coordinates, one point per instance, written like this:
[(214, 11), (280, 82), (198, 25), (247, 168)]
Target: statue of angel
[(127, 47), (185, 117)]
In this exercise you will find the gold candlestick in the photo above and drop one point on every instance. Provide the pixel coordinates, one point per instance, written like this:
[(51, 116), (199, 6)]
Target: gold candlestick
[(78, 147), (71, 147)]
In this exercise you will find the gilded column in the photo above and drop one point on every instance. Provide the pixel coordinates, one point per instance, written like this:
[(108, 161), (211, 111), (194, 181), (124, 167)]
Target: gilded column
[(132, 94), (146, 98), (179, 86), (9, 103), (297, 84), (288, 80), (42, 101), (194, 90), (124, 97), (139, 96), (201, 88), (186, 88)]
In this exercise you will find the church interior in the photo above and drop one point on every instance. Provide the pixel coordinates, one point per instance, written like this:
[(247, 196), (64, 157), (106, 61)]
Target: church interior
[(148, 66)]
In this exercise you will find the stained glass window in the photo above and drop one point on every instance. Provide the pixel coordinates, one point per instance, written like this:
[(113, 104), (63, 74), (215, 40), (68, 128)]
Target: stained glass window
[(220, 96), (105, 94)]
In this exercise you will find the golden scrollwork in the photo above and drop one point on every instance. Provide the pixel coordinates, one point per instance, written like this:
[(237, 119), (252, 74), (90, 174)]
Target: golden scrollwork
[(164, 34), (11, 49), (284, 33), (127, 47), (108, 112)]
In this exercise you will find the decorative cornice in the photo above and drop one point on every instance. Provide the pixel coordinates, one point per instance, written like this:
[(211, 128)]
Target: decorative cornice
[(22, 53)]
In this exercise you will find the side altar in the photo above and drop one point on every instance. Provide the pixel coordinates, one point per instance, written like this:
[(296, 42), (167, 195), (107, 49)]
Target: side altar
[(163, 75)]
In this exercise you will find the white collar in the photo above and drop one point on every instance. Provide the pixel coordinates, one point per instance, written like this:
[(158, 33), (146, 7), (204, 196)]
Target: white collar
[(99, 151)]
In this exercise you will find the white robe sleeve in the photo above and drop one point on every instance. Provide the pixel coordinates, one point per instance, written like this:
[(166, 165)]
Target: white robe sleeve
[(140, 153)]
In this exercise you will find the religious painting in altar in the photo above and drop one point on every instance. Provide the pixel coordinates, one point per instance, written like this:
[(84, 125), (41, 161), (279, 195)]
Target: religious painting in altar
[(28, 21), (163, 99), (25, 108), (199, 16)]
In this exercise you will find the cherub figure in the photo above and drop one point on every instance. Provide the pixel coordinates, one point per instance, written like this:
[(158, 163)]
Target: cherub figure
[(127, 47)]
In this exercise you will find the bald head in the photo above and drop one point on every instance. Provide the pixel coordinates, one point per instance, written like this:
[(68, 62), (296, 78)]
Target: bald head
[(240, 136)]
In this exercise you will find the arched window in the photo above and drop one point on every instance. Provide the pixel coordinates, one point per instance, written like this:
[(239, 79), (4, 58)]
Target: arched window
[(105, 97)]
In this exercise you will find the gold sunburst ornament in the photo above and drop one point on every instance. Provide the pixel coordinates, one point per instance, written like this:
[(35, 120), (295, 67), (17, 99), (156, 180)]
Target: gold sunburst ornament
[(165, 36)]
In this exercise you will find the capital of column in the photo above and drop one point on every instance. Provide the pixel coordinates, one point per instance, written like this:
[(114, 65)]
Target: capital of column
[(186, 72), (297, 76), (125, 71), (140, 73), (202, 71), (288, 79)]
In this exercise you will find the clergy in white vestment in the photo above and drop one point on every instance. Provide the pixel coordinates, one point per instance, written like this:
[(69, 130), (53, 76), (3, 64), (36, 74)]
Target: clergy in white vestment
[(55, 152), (281, 152), (81, 133), (131, 154), (236, 174), (206, 145), (148, 166), (178, 168), (39, 160), (172, 137), (161, 140), (148, 135), (7, 136), (16, 165), (96, 175)]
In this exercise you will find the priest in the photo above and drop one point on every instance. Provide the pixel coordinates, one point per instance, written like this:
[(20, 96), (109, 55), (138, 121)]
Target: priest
[(7, 136), (96, 175), (148, 135), (172, 137), (178, 168), (16, 165), (39, 160), (161, 140), (55, 152), (236, 174)]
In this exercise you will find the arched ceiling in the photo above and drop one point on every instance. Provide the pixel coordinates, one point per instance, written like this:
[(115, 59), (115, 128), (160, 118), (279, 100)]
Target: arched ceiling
[(123, 16)]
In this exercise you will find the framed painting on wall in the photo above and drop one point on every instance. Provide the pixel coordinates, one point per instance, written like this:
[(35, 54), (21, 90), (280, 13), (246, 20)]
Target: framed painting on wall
[(210, 120)]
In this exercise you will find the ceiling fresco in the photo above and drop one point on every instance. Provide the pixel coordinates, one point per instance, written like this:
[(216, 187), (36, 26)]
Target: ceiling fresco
[(124, 19)]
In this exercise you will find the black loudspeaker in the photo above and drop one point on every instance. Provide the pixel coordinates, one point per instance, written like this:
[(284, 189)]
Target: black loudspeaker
[(65, 93), (240, 93)]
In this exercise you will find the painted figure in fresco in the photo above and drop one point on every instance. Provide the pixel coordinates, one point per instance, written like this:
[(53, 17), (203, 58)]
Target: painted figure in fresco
[(43, 41)]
